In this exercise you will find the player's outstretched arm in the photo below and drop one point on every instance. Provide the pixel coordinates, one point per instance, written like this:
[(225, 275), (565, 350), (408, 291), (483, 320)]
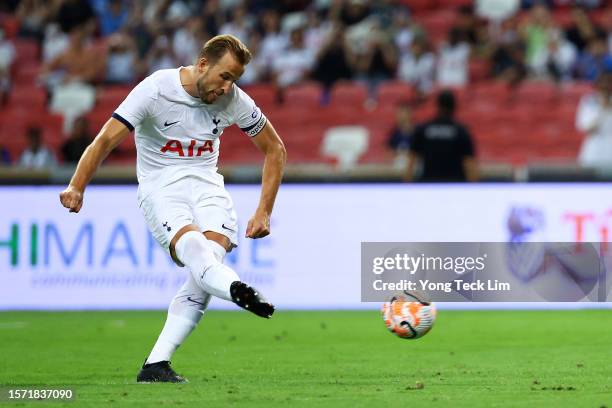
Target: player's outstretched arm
[(273, 148), (111, 134)]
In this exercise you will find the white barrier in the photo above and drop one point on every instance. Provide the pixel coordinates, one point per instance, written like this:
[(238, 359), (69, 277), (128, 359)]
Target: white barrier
[(104, 258)]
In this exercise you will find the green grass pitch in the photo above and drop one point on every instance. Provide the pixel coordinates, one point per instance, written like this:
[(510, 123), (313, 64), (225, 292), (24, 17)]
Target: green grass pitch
[(470, 359)]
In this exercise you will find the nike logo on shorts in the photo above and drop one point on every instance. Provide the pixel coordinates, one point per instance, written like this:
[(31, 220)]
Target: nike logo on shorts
[(166, 124), (227, 228)]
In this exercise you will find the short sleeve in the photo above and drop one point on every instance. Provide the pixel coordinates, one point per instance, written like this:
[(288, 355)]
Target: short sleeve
[(137, 104), (249, 118)]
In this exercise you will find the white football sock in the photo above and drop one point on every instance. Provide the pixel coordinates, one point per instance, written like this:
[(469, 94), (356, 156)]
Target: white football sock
[(201, 256), (184, 313)]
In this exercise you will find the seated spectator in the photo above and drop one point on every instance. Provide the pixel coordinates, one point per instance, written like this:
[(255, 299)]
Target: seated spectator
[(536, 33), (335, 60), (122, 62), (594, 118), (32, 15), (7, 57), (378, 60), (295, 63), (77, 142), (399, 137), (55, 43), (161, 55), (453, 61), (239, 25), (274, 41), (113, 17), (582, 30), (79, 63), (187, 41), (418, 66), (444, 146), (560, 58), (508, 54), (36, 155), (590, 64)]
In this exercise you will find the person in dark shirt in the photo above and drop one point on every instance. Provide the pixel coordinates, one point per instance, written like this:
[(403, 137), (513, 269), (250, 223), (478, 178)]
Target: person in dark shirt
[(444, 146), (77, 142)]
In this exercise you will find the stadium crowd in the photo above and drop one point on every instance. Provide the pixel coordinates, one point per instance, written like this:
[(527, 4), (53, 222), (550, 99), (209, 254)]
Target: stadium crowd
[(430, 45)]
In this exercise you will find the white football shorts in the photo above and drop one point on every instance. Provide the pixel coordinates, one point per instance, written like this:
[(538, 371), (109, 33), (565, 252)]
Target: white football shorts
[(189, 200)]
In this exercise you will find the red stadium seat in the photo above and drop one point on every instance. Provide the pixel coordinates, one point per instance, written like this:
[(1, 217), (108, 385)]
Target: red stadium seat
[(111, 97), (348, 94), (535, 93), (26, 74), (264, 95), (28, 96), (306, 95), (26, 50), (390, 93)]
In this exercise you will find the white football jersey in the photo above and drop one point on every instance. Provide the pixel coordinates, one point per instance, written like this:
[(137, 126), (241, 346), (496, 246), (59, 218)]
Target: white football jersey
[(176, 134)]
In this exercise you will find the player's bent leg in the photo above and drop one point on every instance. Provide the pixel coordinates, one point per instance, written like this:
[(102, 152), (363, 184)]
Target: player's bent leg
[(184, 313), (200, 254)]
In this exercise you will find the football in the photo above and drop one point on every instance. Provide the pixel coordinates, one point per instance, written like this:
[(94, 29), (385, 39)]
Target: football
[(409, 315)]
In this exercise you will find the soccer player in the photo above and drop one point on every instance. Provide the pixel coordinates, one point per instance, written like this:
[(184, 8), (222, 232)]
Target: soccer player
[(178, 116)]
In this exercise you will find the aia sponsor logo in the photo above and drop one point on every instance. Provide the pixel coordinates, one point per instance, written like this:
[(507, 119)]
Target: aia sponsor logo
[(194, 149)]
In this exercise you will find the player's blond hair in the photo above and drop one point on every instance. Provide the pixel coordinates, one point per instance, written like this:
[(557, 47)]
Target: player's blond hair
[(215, 48)]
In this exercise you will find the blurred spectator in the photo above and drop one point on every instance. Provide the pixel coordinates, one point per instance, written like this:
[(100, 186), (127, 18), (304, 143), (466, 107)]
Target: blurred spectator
[(76, 13), (79, 63), (295, 63), (33, 15), (113, 16), (582, 31), (36, 155), (444, 146), (55, 42), (353, 11), (77, 142), (273, 41), (335, 60), (160, 55), (239, 25), (399, 137), (122, 62), (508, 54), (418, 66), (594, 117), (590, 64), (404, 30), (317, 31), (7, 57), (378, 61), (537, 32), (467, 24), (453, 61), (212, 17), (560, 58), (188, 40)]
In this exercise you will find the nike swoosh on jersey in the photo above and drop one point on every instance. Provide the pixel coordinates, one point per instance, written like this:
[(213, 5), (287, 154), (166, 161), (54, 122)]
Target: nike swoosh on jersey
[(166, 124)]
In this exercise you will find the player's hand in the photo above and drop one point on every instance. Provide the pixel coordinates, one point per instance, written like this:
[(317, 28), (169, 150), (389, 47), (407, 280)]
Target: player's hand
[(258, 226), (72, 198)]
